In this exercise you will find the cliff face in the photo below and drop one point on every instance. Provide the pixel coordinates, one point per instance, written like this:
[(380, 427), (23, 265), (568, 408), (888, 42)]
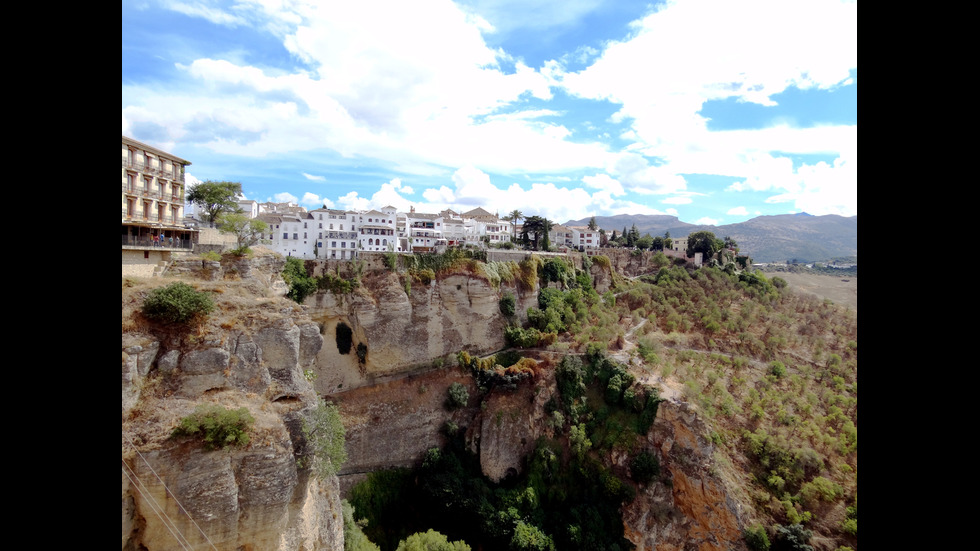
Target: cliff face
[(261, 352), (253, 355)]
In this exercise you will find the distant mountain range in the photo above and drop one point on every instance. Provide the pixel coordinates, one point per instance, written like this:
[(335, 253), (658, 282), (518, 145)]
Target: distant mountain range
[(802, 236)]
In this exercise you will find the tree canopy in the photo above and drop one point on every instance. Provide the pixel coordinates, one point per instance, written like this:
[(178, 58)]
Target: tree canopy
[(215, 198), (245, 229), (703, 242), (431, 541), (539, 227)]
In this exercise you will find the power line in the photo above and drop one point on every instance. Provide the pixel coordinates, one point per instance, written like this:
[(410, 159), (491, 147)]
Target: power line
[(157, 508)]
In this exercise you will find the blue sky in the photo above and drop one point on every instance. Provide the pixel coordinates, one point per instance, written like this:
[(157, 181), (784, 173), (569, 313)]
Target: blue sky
[(713, 111)]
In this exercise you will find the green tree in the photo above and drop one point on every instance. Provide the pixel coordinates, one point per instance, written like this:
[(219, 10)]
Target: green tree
[(177, 303), (431, 541), (539, 227), (324, 431), (513, 217), (592, 224), (246, 230), (633, 236), (215, 198), (703, 242), (645, 242), (300, 284), (756, 538), (579, 439), (354, 538)]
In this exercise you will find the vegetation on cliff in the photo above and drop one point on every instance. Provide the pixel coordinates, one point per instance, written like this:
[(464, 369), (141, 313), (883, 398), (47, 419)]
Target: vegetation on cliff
[(773, 374)]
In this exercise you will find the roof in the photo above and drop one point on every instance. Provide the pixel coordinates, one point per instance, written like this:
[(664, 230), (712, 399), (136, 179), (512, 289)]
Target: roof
[(151, 149)]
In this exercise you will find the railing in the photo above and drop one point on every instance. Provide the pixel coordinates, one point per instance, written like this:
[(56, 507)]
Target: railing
[(155, 218), (147, 169), (153, 194), (147, 242)]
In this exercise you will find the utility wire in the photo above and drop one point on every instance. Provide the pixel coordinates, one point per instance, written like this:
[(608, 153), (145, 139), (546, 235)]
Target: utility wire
[(169, 523)]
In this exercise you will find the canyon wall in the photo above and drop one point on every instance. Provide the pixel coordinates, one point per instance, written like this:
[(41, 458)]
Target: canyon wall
[(265, 353)]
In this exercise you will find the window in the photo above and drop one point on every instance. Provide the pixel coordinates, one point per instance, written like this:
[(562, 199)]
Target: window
[(285, 236), (296, 236)]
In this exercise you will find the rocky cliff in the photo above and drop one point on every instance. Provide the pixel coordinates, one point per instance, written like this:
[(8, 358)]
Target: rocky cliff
[(265, 353)]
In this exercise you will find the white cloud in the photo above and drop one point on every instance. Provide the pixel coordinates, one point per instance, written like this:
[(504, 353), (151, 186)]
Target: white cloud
[(312, 200), (285, 197), (695, 51), (209, 13), (707, 221), (738, 211), (314, 178)]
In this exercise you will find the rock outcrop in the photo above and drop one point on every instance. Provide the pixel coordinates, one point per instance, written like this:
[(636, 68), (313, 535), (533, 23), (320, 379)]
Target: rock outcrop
[(177, 493)]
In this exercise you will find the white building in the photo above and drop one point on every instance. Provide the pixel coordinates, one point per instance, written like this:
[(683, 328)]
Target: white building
[(336, 233), (424, 231), (376, 231), (289, 234)]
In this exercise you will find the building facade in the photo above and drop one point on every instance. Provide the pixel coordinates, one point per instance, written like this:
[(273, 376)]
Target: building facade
[(153, 195)]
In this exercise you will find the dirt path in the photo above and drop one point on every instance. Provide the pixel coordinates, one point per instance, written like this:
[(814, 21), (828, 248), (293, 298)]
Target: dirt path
[(670, 389)]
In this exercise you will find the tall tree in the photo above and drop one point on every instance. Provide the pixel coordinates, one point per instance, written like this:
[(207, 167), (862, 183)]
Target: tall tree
[(215, 198), (513, 217), (538, 227), (592, 224)]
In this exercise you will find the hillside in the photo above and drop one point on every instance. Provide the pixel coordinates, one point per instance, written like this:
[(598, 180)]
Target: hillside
[(702, 406), (801, 236)]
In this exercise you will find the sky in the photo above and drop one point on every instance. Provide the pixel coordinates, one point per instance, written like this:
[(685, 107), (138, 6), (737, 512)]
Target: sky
[(714, 111)]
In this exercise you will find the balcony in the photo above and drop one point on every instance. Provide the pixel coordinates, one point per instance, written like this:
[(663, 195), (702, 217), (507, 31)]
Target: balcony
[(139, 217), (147, 242), (144, 168), (156, 194)]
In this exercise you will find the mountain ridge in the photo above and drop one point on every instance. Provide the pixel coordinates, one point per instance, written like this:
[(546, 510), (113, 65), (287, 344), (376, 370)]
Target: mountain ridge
[(771, 238)]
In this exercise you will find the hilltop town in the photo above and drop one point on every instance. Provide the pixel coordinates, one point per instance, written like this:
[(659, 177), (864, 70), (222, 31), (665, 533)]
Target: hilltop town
[(158, 219)]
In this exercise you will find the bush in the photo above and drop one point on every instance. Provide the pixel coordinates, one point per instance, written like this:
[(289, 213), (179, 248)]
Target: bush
[(756, 538), (218, 425), (301, 285), (324, 431), (508, 305), (792, 538), (177, 303), (431, 541), (644, 467), (458, 396)]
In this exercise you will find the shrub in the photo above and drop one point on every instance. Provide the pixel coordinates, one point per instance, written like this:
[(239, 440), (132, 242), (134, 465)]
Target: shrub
[(644, 467), (458, 396), (792, 538), (324, 431), (777, 368), (218, 426), (508, 305), (756, 538), (301, 285), (431, 541), (177, 303)]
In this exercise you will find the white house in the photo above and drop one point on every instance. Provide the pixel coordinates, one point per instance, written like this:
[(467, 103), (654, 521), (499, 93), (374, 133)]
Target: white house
[(336, 233), (376, 231)]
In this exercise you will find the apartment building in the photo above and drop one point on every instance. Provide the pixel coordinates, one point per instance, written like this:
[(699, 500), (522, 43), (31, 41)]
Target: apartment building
[(336, 233), (153, 195)]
